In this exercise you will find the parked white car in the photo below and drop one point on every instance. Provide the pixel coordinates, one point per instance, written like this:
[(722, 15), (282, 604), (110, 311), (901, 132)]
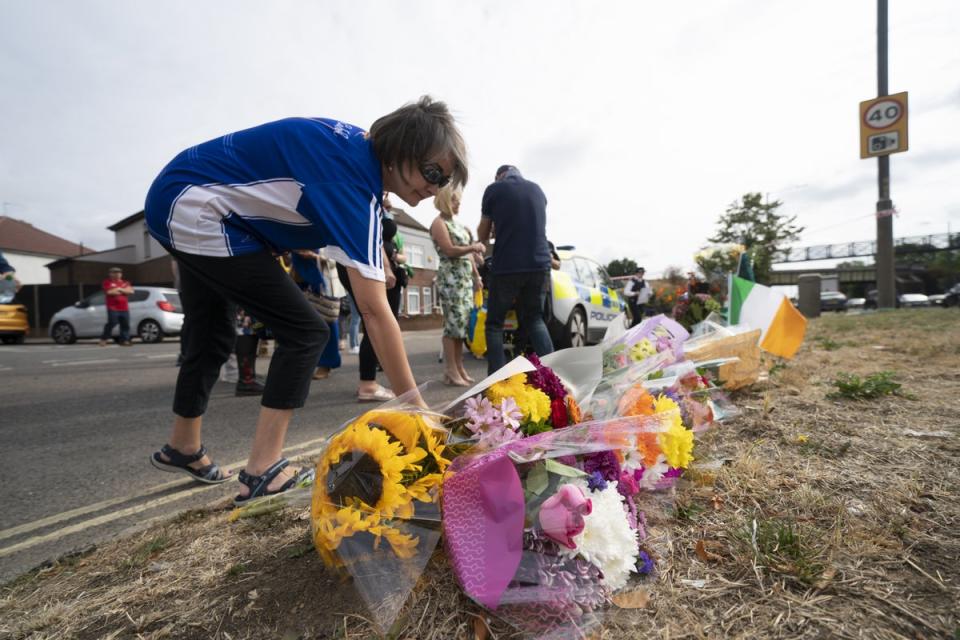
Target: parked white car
[(155, 312), (913, 300)]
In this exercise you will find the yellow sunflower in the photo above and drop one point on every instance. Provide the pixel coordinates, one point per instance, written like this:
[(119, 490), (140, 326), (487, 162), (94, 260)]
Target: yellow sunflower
[(338, 516)]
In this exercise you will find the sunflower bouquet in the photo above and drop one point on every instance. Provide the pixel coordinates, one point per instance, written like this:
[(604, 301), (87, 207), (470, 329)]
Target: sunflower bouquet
[(375, 508), (543, 530)]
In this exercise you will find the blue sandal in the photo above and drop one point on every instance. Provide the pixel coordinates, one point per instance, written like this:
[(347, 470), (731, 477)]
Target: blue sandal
[(258, 484), (180, 462)]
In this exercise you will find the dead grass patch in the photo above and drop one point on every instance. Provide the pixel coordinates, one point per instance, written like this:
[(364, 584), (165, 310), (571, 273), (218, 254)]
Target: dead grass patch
[(829, 518)]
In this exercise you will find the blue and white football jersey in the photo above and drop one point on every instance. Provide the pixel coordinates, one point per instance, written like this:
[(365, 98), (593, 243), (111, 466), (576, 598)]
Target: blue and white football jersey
[(298, 183)]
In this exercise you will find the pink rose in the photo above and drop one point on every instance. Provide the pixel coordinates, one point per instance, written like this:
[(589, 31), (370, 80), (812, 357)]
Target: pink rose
[(561, 515)]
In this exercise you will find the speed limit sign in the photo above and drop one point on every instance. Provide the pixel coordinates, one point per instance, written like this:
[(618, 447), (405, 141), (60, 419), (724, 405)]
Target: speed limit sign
[(883, 125)]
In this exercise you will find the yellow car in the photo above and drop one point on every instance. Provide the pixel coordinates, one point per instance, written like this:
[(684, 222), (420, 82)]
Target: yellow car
[(13, 317)]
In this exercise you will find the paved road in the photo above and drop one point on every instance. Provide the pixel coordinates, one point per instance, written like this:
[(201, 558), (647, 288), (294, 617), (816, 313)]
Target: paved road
[(78, 422)]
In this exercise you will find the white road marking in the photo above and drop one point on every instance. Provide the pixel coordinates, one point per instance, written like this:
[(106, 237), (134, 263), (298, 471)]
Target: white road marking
[(77, 362), (165, 356), (115, 515)]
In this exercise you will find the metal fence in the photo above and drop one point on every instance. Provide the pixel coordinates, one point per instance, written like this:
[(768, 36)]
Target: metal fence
[(902, 246)]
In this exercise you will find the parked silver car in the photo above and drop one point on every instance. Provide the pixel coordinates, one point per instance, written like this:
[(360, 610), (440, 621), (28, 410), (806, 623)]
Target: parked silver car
[(832, 301), (155, 312)]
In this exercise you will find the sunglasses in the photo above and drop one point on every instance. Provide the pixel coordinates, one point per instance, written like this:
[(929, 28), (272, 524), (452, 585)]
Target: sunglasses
[(433, 174)]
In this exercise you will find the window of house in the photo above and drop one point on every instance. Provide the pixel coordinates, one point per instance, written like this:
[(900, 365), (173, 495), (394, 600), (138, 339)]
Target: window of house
[(428, 299), (413, 301), (414, 254)]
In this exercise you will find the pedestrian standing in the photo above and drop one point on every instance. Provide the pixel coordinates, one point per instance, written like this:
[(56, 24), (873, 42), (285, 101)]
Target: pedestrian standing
[(457, 280), (516, 209), (638, 293), (116, 290), (225, 207)]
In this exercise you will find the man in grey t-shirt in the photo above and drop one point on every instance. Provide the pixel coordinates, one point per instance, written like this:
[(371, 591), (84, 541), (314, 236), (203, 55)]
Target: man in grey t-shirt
[(516, 210)]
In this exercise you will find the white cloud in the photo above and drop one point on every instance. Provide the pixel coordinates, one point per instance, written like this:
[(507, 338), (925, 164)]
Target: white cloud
[(641, 122)]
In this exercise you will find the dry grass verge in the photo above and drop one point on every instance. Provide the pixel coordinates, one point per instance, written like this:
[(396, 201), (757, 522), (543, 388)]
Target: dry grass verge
[(828, 518)]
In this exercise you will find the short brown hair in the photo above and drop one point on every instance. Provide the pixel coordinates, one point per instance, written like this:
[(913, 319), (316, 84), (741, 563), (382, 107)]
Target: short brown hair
[(417, 132)]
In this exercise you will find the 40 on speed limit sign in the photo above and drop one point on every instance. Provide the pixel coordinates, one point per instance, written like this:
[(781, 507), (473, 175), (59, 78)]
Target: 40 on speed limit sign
[(883, 125)]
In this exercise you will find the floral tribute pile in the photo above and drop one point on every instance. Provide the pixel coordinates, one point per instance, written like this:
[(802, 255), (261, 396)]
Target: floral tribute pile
[(540, 480)]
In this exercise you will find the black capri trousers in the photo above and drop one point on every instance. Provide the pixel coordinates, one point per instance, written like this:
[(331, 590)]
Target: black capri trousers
[(210, 287)]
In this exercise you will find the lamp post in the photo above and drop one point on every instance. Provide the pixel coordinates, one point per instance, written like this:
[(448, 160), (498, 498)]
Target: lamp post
[(886, 266)]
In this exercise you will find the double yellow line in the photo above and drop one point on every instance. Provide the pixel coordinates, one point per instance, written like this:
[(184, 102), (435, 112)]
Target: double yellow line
[(123, 513)]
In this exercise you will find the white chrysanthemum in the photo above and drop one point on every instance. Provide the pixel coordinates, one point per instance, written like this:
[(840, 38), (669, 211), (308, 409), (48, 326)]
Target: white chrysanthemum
[(653, 475), (632, 460), (607, 541)]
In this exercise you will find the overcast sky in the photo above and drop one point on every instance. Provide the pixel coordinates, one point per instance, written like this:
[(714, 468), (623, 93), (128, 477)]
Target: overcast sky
[(642, 121)]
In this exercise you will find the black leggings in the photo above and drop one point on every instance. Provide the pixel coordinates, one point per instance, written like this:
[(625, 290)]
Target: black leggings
[(209, 287), (368, 357)]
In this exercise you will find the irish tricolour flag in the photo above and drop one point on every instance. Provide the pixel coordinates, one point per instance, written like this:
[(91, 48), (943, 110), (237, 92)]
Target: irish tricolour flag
[(759, 307)]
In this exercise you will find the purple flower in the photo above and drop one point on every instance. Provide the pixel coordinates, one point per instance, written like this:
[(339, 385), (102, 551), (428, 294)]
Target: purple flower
[(628, 485), (645, 564), (596, 482), (605, 462), (545, 379), (672, 472), (550, 591)]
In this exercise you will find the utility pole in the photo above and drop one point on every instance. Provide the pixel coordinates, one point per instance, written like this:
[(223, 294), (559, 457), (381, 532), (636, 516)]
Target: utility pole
[(886, 266)]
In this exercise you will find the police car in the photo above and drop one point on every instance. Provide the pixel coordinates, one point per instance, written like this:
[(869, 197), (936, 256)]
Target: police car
[(583, 301)]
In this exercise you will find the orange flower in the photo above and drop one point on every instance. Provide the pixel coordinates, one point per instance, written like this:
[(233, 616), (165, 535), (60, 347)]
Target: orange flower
[(573, 411), (636, 402), (648, 445)]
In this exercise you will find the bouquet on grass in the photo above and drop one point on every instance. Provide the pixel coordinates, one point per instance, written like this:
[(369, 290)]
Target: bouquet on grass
[(522, 399), (375, 510), (657, 379), (543, 530), (643, 342)]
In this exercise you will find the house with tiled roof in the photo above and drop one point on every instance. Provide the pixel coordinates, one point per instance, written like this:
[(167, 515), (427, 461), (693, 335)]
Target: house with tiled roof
[(143, 260), (29, 249), (420, 296)]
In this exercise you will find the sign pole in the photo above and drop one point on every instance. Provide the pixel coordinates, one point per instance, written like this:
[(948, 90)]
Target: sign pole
[(886, 267)]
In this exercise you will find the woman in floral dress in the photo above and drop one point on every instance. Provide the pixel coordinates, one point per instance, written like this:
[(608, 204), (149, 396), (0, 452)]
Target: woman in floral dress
[(457, 280)]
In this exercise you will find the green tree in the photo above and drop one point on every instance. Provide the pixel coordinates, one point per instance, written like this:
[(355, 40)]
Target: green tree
[(622, 267), (674, 275), (757, 226)]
